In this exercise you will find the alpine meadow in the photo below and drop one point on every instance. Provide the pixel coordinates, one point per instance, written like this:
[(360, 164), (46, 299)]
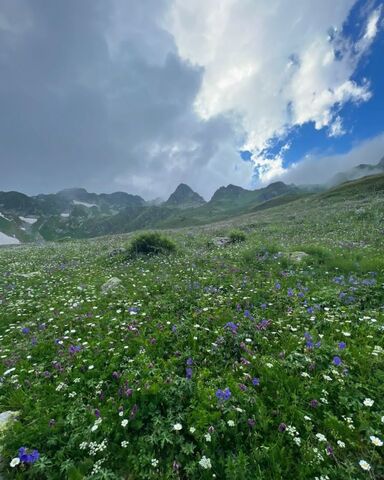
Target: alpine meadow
[(191, 240)]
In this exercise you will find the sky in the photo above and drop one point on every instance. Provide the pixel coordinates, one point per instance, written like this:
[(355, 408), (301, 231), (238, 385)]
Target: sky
[(141, 95)]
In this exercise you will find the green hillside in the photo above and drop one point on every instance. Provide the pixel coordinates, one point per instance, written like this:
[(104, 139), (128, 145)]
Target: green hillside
[(262, 358)]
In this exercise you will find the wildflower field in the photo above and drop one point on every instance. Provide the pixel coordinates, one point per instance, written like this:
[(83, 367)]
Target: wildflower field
[(248, 361)]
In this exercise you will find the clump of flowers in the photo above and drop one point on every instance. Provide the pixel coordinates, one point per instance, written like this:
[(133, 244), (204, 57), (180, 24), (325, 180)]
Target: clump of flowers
[(223, 394), (205, 463), (25, 456)]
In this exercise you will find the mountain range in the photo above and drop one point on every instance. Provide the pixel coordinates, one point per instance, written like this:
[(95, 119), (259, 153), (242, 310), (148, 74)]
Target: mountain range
[(359, 171), (77, 213)]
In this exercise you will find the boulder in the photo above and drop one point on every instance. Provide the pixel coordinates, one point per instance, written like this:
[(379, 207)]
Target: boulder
[(221, 241), (297, 256), (6, 418), (111, 285), (117, 251)]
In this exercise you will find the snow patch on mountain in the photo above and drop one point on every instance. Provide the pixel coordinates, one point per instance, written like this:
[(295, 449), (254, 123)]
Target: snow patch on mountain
[(89, 205), (31, 221), (7, 240)]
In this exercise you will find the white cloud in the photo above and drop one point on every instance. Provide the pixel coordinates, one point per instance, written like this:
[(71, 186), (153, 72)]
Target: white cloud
[(336, 128), (276, 65), (316, 169), (372, 25), (185, 163), (147, 94)]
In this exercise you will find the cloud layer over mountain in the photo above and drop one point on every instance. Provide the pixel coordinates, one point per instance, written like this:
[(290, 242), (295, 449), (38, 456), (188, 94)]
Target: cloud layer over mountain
[(140, 96)]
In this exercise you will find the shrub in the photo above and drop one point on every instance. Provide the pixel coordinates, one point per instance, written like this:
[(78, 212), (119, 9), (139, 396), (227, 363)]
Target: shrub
[(152, 243), (237, 236)]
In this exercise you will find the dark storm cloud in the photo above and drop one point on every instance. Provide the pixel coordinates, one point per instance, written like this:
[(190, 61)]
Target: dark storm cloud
[(53, 116), (94, 94)]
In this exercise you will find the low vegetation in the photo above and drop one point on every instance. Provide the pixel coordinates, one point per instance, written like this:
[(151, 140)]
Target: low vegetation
[(237, 236), (237, 362), (151, 243)]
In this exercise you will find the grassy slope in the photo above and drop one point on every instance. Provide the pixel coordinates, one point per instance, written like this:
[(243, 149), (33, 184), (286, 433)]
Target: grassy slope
[(182, 305)]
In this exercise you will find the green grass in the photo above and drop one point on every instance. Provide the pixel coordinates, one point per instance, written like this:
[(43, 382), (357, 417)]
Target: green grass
[(70, 355)]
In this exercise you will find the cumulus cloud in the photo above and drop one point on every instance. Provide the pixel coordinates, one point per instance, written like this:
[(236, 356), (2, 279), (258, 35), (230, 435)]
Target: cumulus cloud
[(95, 94), (142, 95), (316, 169), (278, 67)]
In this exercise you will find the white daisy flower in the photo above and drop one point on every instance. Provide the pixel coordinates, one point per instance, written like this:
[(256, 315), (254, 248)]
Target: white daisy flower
[(14, 462), (376, 441), (365, 465)]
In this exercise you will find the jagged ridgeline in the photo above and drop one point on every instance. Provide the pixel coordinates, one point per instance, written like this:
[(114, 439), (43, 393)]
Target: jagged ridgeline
[(77, 213)]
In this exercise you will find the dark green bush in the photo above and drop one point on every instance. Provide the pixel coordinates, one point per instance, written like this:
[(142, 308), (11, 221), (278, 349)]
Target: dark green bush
[(151, 243), (237, 236)]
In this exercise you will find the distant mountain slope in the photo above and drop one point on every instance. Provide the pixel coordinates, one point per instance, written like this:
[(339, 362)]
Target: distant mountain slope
[(117, 200), (359, 171), (15, 202), (233, 197), (362, 187), (76, 213), (184, 197)]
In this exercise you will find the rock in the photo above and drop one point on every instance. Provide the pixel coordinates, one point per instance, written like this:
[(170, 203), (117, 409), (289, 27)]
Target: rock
[(221, 241), (6, 418), (297, 256), (117, 251), (111, 285), (29, 275)]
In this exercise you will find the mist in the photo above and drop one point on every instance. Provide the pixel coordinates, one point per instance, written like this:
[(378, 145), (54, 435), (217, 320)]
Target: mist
[(317, 169)]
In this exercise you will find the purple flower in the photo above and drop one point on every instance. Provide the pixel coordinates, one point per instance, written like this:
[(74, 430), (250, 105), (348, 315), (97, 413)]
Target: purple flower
[(232, 326), (188, 373), (282, 427), (342, 345), (251, 422), (263, 325), (244, 361), (189, 362), (73, 349), (256, 381), (337, 361), (26, 457), (223, 394), (25, 330), (314, 403)]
